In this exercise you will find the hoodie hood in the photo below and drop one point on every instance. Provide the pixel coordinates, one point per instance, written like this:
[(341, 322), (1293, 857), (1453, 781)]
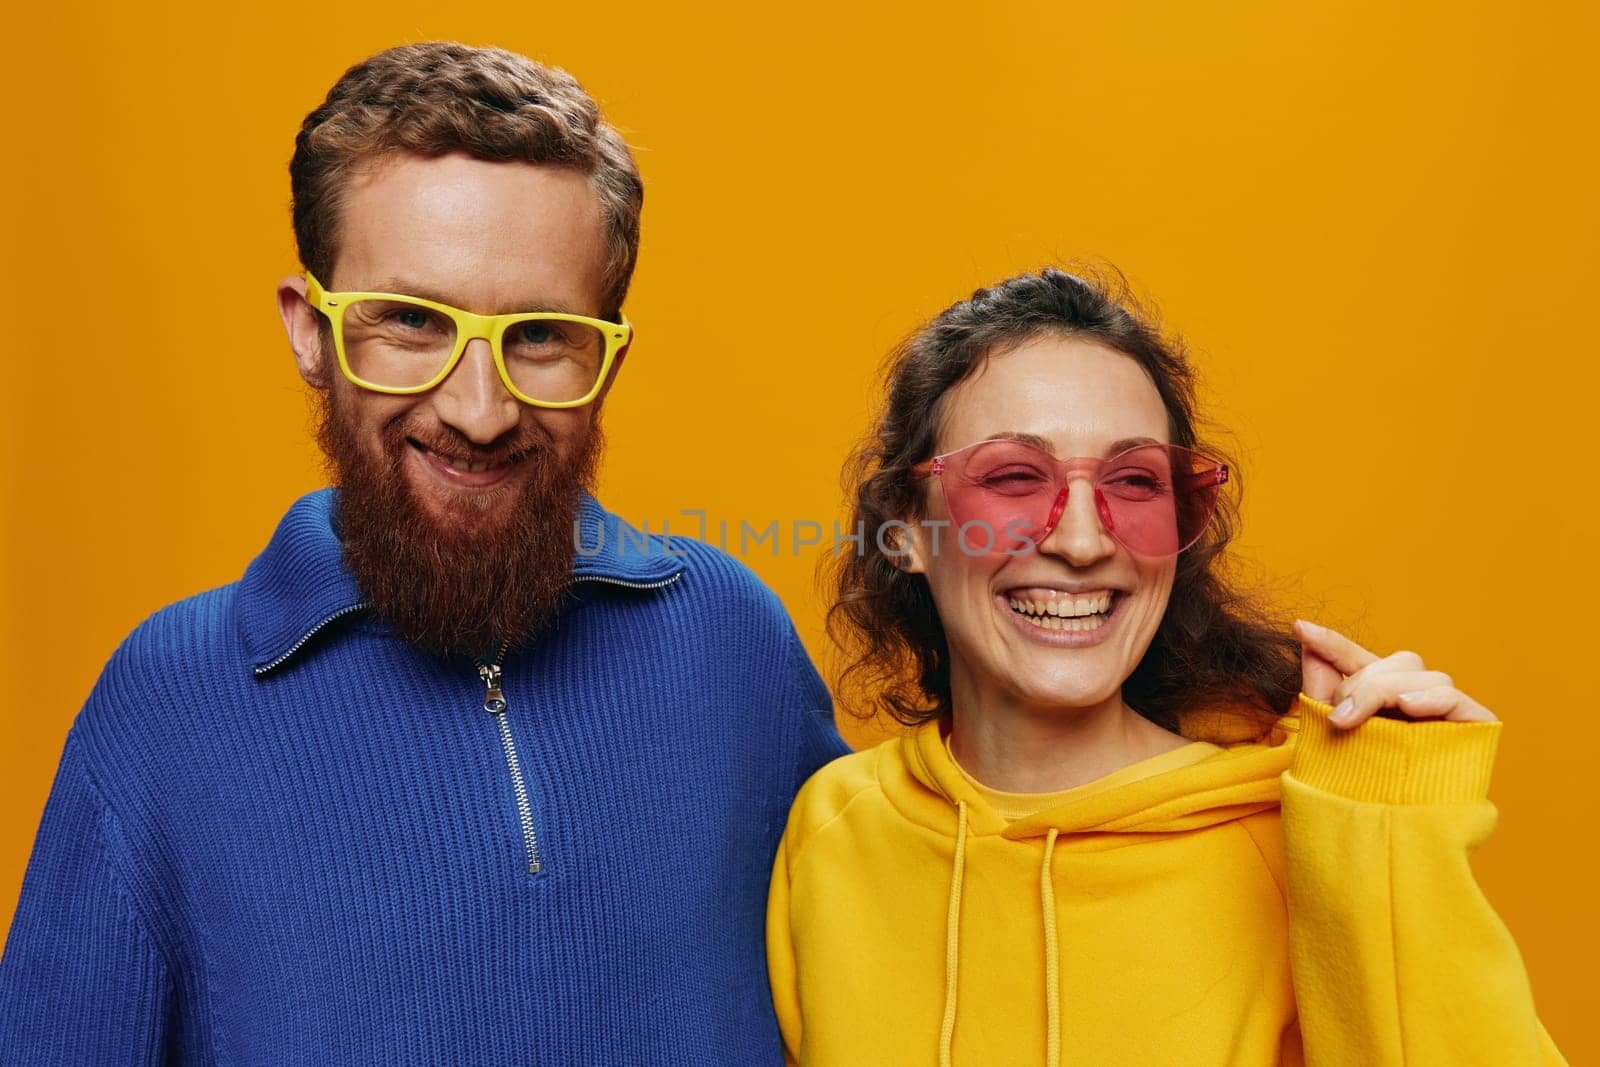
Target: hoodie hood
[(899, 939), (1219, 785), (1226, 784)]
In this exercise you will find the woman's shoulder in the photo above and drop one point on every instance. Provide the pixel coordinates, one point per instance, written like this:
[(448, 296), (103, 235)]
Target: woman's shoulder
[(834, 789), (836, 783)]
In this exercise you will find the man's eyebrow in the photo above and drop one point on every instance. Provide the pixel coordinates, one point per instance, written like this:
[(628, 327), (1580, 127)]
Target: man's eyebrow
[(1039, 442), (402, 287)]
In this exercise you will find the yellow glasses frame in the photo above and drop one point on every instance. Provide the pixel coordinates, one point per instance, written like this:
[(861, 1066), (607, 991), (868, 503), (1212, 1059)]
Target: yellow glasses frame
[(470, 326)]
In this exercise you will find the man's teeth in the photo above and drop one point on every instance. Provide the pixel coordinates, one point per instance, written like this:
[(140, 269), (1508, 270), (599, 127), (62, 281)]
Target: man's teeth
[(1065, 612), (469, 468)]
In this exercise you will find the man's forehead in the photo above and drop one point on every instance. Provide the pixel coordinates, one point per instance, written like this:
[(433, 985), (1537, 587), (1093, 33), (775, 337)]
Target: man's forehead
[(485, 236), (457, 295)]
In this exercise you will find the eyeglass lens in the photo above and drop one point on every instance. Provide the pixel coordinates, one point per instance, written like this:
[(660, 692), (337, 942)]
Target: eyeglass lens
[(400, 345), (1154, 499)]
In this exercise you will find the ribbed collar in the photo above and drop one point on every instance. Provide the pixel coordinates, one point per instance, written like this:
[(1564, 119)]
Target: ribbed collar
[(299, 583)]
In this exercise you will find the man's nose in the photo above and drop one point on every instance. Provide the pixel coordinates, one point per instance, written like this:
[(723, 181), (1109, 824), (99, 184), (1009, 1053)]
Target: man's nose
[(1079, 536), (474, 400)]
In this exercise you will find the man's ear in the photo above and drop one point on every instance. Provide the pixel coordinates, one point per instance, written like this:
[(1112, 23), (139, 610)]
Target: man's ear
[(303, 324)]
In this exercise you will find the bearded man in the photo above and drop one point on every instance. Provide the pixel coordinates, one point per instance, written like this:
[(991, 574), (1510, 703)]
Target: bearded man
[(429, 784)]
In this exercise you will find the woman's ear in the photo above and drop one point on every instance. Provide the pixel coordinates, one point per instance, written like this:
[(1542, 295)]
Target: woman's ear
[(904, 545), (302, 323)]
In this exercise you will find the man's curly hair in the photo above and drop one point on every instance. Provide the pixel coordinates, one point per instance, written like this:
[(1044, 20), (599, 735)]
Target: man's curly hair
[(439, 97)]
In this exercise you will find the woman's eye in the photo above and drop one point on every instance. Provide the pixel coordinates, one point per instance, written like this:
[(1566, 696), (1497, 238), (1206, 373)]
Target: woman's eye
[(1011, 479), (1142, 483)]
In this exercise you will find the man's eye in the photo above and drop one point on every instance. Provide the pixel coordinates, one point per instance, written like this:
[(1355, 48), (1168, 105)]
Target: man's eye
[(411, 318), (536, 333)]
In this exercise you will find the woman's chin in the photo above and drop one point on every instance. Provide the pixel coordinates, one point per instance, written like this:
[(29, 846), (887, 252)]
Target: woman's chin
[(1052, 682), (1069, 696), (1064, 678)]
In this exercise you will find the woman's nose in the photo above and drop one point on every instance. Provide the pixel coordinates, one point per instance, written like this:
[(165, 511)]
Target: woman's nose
[(1080, 535)]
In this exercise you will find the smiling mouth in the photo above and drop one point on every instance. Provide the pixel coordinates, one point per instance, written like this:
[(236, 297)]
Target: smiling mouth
[(1076, 613), (469, 466)]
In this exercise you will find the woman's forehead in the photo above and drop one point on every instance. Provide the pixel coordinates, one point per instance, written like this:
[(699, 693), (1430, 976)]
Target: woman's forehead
[(1076, 394)]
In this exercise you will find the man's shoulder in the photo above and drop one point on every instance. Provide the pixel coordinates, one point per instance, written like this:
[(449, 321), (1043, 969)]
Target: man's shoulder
[(197, 631), (691, 567), (716, 573), (716, 616), (286, 578), (158, 678), (197, 649)]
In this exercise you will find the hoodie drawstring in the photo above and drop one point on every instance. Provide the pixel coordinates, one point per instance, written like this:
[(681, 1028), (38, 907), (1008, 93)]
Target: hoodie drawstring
[(1052, 960), (952, 946), (952, 937)]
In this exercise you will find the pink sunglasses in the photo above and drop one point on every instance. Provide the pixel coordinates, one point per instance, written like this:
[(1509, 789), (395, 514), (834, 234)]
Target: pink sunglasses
[(1155, 500)]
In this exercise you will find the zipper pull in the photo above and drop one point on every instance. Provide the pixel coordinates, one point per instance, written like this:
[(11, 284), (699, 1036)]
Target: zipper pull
[(494, 698)]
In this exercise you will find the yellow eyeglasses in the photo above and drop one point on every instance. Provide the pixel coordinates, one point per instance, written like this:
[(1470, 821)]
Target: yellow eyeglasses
[(397, 344)]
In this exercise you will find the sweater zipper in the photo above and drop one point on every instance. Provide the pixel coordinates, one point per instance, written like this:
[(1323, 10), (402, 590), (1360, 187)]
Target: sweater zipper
[(266, 668), (625, 584), (494, 702)]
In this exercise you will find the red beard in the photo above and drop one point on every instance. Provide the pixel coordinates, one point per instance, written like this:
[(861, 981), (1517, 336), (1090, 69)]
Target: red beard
[(495, 569)]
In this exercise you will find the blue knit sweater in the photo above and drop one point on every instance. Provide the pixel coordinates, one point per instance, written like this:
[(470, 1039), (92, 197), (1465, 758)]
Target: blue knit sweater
[(281, 835)]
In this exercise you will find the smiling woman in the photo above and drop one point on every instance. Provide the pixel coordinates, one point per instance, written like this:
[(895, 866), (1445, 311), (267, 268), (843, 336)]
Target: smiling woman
[(1126, 822), (1074, 369)]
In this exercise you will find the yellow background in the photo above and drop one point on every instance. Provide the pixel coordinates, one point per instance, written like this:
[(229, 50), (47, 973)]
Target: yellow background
[(1376, 225)]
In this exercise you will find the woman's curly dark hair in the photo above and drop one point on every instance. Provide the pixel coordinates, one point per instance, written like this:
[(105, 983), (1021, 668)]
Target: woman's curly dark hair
[(1217, 649)]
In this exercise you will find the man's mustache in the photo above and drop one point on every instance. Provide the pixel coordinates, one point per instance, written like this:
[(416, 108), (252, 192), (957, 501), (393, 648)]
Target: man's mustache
[(450, 444)]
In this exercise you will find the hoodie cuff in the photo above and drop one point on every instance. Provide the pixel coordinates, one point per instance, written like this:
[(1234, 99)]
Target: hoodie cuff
[(1391, 761)]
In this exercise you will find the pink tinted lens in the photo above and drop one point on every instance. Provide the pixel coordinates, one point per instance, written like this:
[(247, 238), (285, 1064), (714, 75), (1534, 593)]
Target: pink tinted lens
[(1138, 488), (1000, 495), (1156, 500)]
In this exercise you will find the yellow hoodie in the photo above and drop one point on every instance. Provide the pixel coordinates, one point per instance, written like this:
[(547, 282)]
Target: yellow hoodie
[(1205, 907)]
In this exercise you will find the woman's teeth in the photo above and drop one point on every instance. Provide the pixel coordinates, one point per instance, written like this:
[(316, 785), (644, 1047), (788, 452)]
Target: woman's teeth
[(1067, 612)]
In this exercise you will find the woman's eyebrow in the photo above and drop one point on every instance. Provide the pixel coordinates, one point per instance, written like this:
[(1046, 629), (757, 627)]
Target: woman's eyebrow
[(1025, 438), (1040, 443), (1129, 442)]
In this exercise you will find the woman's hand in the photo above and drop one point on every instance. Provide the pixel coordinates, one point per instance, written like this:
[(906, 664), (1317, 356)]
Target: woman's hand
[(1337, 671)]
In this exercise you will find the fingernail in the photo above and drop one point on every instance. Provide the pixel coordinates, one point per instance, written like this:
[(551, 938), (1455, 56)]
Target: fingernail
[(1344, 712), (1409, 698)]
